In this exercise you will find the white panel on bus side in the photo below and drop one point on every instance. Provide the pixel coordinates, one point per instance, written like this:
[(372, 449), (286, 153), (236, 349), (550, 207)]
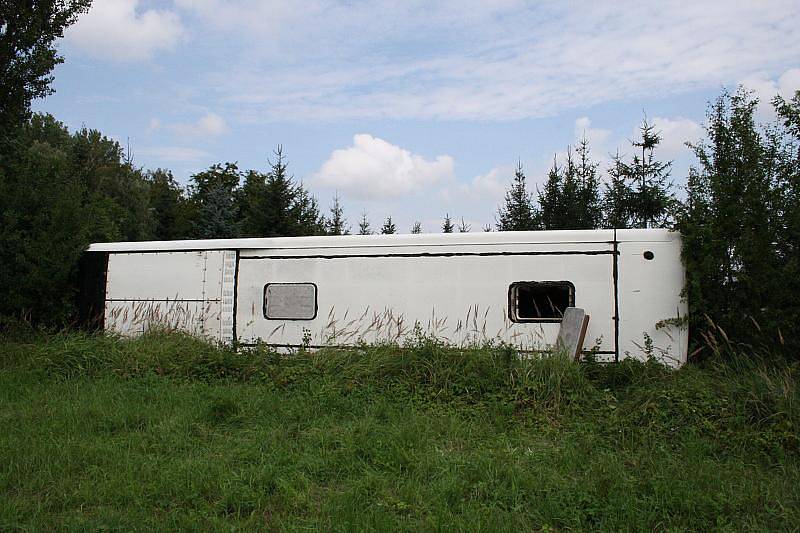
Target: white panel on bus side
[(157, 276), (187, 291), (462, 300), (650, 286)]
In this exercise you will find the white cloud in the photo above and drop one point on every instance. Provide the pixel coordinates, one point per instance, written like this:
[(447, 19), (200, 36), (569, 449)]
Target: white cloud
[(209, 125), (376, 169), (597, 137), (766, 88), (675, 133), (118, 30), (789, 82), (489, 187), (153, 125), (388, 59)]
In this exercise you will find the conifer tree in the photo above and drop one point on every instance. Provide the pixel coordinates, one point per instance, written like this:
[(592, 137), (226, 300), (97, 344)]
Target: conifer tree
[(464, 227), (305, 215), (518, 213), (615, 198), (416, 228), (388, 227), (651, 201), (590, 210), (550, 208), (273, 205), (337, 223), (447, 224), (570, 198), (363, 226), (251, 199), (570, 201), (278, 217)]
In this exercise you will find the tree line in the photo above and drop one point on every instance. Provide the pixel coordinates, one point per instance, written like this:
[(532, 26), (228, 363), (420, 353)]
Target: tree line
[(61, 190)]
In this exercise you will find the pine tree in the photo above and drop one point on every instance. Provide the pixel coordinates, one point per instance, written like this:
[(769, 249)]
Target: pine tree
[(651, 201), (272, 205), (388, 227), (590, 212), (305, 216), (550, 208), (616, 197), (416, 228), (518, 213), (570, 208), (337, 223), (447, 225), (570, 198), (251, 199), (363, 226), (464, 227), (278, 218)]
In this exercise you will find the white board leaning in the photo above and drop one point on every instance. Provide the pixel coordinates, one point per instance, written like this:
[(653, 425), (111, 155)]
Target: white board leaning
[(461, 288)]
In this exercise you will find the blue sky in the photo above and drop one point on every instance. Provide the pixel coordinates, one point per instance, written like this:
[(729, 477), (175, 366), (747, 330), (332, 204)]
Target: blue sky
[(412, 109)]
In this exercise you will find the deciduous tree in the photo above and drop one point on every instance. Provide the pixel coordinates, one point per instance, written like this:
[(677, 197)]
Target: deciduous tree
[(168, 205), (737, 257), (29, 30), (212, 193)]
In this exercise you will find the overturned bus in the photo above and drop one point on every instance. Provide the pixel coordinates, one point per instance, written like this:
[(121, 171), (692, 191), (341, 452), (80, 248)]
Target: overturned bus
[(465, 288)]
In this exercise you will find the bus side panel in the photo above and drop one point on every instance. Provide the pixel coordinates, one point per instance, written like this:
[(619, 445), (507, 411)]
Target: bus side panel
[(461, 300), (651, 279), (185, 291)]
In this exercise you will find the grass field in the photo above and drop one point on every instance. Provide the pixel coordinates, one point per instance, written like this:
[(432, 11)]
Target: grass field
[(165, 432)]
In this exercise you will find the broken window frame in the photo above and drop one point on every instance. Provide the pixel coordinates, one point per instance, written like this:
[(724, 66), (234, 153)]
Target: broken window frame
[(513, 299)]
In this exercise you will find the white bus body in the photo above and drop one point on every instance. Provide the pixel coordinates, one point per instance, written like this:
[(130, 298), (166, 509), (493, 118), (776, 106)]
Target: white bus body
[(462, 288)]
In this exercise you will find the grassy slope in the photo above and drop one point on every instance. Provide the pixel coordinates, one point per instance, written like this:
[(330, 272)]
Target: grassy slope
[(166, 432)]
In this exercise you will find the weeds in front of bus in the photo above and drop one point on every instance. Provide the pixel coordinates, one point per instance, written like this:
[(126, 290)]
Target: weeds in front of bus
[(390, 327), (134, 318), (370, 326)]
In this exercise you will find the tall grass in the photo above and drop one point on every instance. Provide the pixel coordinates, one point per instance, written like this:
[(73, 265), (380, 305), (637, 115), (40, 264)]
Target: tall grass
[(166, 431)]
